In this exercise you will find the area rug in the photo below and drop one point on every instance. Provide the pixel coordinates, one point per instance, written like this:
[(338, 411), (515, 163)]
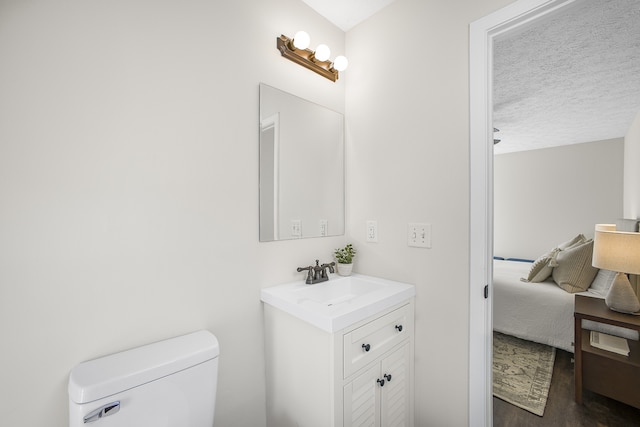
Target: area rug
[(522, 372)]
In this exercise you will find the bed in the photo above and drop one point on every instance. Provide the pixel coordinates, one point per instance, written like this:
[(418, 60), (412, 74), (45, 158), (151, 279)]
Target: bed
[(541, 312)]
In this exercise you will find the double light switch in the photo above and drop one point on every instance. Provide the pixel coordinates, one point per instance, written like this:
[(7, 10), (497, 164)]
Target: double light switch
[(419, 235)]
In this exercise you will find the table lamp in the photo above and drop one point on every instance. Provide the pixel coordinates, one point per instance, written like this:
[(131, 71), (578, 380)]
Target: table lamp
[(618, 251)]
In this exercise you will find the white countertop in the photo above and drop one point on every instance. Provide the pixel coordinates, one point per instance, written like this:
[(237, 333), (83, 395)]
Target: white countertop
[(339, 302)]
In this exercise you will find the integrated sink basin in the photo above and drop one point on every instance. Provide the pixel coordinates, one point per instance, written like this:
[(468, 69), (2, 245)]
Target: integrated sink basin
[(337, 291), (339, 302)]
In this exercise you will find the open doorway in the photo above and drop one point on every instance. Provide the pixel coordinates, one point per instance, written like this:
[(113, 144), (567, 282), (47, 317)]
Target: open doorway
[(512, 19), (482, 34)]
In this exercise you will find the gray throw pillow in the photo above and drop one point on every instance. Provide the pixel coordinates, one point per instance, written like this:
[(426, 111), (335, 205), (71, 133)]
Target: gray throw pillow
[(574, 272), (569, 243), (543, 266)]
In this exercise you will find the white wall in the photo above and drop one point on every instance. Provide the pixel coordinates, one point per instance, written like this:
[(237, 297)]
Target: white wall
[(632, 170), (129, 172), (408, 161), (545, 197), (129, 187)]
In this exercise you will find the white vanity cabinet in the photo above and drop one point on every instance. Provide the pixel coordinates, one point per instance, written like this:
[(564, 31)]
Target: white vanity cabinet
[(361, 375)]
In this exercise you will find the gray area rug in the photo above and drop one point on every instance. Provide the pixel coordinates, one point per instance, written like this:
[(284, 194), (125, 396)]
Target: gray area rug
[(522, 372)]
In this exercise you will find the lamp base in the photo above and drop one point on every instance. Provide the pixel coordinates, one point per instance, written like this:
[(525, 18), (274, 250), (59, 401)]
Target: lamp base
[(621, 297)]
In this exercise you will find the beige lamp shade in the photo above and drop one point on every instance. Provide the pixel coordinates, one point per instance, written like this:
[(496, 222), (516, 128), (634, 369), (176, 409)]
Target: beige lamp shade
[(616, 250)]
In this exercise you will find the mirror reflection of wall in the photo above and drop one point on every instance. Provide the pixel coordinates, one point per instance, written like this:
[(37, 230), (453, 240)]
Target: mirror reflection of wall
[(301, 168)]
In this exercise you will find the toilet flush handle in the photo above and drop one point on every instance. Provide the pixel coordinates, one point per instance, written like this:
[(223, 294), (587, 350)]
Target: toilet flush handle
[(104, 411)]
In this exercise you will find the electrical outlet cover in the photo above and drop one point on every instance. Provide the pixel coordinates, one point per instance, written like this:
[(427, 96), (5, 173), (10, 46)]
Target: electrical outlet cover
[(372, 231), (296, 228)]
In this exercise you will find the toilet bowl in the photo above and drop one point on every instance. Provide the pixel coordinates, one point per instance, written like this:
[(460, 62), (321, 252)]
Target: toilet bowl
[(170, 383)]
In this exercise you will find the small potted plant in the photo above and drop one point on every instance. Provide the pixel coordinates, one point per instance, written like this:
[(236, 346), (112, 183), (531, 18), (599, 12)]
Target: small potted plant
[(344, 256)]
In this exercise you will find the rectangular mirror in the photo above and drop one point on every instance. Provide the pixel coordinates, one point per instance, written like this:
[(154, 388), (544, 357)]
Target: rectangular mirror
[(301, 168)]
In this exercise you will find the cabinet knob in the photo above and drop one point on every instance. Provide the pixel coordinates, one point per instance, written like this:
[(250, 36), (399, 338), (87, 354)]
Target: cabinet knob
[(366, 347), (381, 382), (388, 377), (399, 328)]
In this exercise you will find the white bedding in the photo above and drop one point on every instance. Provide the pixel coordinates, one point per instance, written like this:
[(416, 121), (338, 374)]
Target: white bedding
[(540, 312)]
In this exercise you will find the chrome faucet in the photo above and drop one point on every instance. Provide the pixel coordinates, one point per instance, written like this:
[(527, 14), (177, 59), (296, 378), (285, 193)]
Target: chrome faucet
[(317, 273)]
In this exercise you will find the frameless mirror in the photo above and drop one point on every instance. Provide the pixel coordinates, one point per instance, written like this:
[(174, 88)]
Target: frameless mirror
[(301, 168)]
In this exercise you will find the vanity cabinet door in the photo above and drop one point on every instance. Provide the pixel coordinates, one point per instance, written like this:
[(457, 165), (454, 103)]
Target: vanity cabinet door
[(362, 400), (395, 403), (380, 395)]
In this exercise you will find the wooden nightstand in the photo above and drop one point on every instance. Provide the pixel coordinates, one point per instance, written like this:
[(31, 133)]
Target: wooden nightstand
[(601, 371)]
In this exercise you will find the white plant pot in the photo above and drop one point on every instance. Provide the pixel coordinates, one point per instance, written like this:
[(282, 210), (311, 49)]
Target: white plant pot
[(345, 269)]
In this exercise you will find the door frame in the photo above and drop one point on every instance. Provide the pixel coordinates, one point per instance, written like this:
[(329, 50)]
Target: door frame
[(481, 35)]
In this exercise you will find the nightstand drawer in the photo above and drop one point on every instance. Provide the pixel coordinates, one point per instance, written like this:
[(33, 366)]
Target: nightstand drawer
[(364, 344), (611, 378)]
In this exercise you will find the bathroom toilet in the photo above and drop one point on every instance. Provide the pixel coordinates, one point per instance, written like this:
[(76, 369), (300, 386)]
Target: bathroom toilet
[(170, 383)]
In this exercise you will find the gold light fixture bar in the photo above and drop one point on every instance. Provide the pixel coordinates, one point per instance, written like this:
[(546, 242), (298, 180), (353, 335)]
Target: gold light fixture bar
[(306, 58)]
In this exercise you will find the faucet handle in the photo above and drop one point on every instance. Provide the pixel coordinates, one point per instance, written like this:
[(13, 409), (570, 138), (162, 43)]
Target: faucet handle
[(309, 274), (329, 266)]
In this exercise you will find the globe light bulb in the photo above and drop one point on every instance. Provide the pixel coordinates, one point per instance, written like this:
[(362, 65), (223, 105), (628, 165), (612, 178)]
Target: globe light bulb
[(340, 63), (301, 40), (322, 52)]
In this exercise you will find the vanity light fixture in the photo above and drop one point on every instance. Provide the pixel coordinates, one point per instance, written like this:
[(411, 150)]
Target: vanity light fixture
[(297, 50)]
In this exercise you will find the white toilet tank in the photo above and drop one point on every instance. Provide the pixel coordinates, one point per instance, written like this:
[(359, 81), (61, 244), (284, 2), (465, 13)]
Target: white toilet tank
[(170, 383)]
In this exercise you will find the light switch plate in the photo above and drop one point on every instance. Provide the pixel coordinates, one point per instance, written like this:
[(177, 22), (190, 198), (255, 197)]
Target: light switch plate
[(419, 235)]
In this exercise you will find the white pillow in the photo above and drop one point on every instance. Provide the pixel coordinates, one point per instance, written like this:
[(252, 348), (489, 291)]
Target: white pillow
[(602, 282)]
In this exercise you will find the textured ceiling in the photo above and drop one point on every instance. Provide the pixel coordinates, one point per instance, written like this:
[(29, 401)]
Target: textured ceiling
[(570, 78)]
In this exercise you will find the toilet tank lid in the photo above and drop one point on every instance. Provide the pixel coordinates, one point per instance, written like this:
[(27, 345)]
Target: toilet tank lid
[(102, 377)]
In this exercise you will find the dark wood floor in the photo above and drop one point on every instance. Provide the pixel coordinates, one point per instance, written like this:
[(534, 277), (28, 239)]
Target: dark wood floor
[(562, 410)]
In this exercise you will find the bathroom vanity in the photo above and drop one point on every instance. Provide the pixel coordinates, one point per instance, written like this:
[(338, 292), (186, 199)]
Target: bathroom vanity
[(339, 353)]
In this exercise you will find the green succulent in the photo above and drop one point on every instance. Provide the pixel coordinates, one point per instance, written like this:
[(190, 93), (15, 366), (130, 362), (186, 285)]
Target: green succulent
[(345, 255)]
